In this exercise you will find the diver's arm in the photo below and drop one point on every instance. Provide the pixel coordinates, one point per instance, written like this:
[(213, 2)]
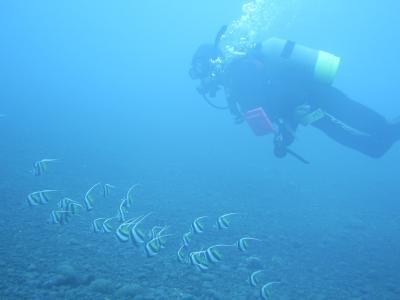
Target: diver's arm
[(233, 107)]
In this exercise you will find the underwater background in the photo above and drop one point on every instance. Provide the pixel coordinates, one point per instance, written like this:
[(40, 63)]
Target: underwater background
[(103, 87)]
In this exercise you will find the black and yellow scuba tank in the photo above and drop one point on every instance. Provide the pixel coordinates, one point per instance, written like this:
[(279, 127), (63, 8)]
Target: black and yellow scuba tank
[(304, 62)]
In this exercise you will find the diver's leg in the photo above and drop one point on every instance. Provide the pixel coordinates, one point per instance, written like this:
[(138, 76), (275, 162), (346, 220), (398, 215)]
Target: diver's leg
[(357, 141), (353, 113), (373, 135)]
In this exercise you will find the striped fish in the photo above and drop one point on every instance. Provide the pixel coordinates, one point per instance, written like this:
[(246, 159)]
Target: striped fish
[(265, 292), (213, 255), (74, 207), (122, 232), (243, 244), (122, 211), (41, 166), (197, 227), (186, 238), (182, 258), (130, 197), (253, 279), (40, 197), (156, 229), (160, 235), (107, 225), (60, 217), (153, 247), (107, 188), (66, 203), (89, 199), (199, 260), (63, 203), (97, 225), (136, 235), (223, 221)]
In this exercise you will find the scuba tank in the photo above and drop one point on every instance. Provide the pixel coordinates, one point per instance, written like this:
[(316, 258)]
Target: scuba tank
[(301, 61)]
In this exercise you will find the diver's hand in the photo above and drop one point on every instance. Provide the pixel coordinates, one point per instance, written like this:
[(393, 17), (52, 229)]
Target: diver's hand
[(239, 119), (285, 135), (280, 149)]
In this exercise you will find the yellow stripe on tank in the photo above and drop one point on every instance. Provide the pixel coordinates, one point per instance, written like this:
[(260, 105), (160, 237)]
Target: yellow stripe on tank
[(326, 67)]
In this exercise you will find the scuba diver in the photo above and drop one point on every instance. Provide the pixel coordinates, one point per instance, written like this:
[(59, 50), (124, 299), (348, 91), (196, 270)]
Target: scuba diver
[(277, 85)]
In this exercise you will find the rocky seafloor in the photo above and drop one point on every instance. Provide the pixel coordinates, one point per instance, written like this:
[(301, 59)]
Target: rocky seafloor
[(315, 254)]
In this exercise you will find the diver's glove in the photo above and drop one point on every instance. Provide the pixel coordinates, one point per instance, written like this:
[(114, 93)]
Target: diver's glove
[(239, 119), (283, 138), (280, 149)]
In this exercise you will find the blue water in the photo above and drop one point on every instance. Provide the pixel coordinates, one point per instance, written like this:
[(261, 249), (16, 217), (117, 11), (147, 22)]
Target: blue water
[(103, 87)]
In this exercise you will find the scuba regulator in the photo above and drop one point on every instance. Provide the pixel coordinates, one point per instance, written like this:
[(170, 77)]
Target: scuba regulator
[(207, 66)]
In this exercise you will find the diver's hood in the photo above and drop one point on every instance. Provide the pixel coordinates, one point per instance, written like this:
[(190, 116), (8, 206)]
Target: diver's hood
[(202, 65), (202, 61)]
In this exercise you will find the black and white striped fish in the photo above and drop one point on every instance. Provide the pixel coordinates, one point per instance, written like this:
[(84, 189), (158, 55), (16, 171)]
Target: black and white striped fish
[(243, 243), (97, 225), (153, 247), (197, 227), (198, 259), (89, 198), (253, 278), (213, 255), (122, 210), (186, 238), (60, 217), (223, 221), (41, 166), (107, 225), (181, 256), (265, 293), (107, 188), (40, 197), (122, 232), (130, 197), (137, 236)]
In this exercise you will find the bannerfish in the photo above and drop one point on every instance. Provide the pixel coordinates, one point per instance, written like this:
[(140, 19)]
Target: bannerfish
[(74, 207), (243, 244), (107, 226), (223, 221), (198, 260), (59, 217), (107, 188), (136, 235), (41, 166), (186, 238), (122, 210), (253, 279), (181, 256), (265, 292), (197, 227), (153, 247), (130, 197), (89, 199), (122, 232), (97, 225), (71, 205), (40, 197), (213, 255)]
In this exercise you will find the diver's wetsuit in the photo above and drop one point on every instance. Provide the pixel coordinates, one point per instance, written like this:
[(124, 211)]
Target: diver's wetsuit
[(250, 83)]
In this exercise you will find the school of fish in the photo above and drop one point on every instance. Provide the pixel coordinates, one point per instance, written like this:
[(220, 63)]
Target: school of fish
[(132, 230)]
